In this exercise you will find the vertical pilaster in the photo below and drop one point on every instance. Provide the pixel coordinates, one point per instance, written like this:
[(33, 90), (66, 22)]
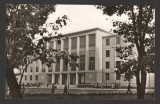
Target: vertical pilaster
[(53, 78), (87, 53), (78, 51), (76, 78), (60, 78)]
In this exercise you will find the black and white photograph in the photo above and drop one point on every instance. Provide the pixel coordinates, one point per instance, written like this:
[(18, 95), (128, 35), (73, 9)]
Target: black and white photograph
[(73, 51)]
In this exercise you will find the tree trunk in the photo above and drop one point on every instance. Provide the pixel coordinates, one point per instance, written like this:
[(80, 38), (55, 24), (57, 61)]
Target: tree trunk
[(12, 83), (141, 86)]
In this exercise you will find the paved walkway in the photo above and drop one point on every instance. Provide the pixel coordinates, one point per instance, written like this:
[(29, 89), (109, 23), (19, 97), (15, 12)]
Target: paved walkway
[(33, 90)]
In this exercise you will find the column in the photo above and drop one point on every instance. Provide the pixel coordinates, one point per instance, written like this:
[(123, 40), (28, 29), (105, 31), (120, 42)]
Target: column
[(68, 79), (77, 78), (69, 51), (60, 78), (87, 53), (78, 51), (53, 78)]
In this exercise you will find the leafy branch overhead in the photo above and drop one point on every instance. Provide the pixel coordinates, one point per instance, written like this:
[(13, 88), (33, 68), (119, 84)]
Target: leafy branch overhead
[(139, 31), (24, 22)]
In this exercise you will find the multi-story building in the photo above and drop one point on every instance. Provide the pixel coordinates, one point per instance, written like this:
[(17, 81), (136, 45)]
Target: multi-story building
[(97, 58)]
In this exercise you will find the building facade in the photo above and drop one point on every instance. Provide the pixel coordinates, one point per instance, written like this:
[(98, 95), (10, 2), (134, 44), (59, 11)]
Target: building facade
[(97, 58)]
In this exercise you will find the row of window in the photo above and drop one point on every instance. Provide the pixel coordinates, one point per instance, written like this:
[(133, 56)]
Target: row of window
[(31, 77), (118, 41), (108, 64), (107, 76), (108, 53), (74, 42)]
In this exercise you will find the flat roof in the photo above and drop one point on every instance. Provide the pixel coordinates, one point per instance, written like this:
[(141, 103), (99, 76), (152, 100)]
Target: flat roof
[(88, 30)]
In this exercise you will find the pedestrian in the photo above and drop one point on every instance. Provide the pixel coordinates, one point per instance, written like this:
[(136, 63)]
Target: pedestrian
[(65, 89), (53, 88), (129, 89)]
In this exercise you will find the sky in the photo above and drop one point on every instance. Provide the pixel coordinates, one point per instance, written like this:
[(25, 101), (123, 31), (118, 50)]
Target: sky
[(81, 17)]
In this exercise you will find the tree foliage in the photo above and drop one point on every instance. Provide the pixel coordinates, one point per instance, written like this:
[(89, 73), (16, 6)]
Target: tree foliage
[(23, 23), (139, 31)]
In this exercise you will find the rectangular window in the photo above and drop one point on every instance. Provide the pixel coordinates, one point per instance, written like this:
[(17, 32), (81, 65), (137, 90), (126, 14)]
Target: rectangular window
[(107, 42), (118, 76), (106, 76), (30, 77), (25, 77), (92, 40), (107, 53), (66, 44), (73, 63), (72, 78), (43, 68), (51, 44), (31, 69), (50, 68), (107, 65), (91, 60), (65, 66), (74, 43), (37, 68), (58, 44), (36, 77), (82, 61), (118, 63), (82, 41), (118, 40), (56, 78), (57, 67), (64, 78)]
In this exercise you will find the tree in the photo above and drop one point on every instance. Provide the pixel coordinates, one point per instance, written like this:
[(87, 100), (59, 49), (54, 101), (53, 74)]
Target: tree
[(24, 22), (139, 30)]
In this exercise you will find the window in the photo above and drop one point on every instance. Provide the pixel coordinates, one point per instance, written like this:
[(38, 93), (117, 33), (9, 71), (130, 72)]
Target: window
[(91, 40), (37, 68), (57, 67), (82, 61), (107, 42), (64, 78), (36, 77), (51, 44), (117, 40), (31, 69), (72, 78), (82, 41), (65, 66), (65, 44), (56, 78), (118, 63), (91, 60), (74, 43), (25, 77), (118, 76), (58, 44), (73, 63), (107, 65), (43, 68), (107, 53), (30, 77), (50, 68), (106, 76)]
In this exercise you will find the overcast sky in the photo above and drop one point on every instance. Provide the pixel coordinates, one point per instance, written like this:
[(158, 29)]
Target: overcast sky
[(81, 17)]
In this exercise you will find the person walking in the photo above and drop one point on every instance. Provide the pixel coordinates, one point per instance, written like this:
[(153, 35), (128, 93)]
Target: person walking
[(53, 88), (129, 89), (65, 89)]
